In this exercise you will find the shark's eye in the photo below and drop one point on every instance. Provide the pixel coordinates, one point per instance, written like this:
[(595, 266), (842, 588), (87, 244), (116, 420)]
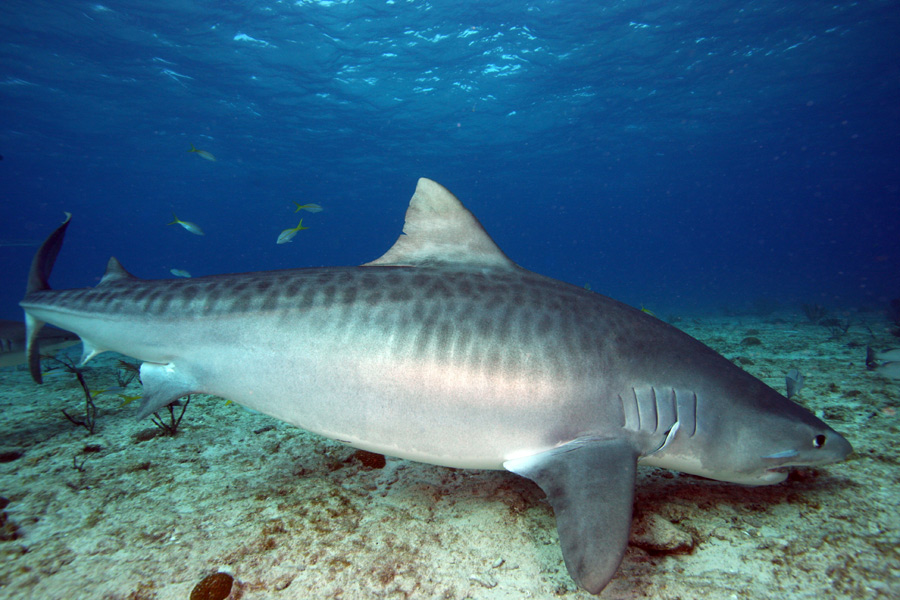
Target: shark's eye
[(819, 441)]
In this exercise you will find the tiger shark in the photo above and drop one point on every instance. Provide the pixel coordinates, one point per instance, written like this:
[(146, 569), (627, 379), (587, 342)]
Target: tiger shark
[(445, 351)]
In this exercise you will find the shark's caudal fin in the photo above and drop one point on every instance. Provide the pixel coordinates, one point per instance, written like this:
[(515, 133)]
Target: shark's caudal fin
[(45, 258), (439, 230), (38, 277)]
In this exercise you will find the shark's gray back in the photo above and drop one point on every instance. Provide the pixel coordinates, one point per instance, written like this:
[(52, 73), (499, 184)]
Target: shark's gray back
[(492, 318)]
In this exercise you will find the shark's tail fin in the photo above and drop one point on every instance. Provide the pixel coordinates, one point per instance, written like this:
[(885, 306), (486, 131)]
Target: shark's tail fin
[(45, 258), (38, 277)]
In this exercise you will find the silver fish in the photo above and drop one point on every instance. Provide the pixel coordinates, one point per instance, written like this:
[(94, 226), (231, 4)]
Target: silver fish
[(192, 227), (288, 234)]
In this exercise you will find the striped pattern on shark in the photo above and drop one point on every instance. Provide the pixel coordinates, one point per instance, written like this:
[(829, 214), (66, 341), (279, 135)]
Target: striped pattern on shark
[(445, 351)]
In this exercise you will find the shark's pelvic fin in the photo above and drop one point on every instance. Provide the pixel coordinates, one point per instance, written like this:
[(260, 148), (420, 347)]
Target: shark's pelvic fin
[(88, 351), (590, 485), (439, 230), (163, 385), (38, 280), (115, 272)]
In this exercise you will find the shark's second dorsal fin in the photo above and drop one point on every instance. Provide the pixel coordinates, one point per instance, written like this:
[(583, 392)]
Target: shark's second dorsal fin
[(439, 230), (115, 272)]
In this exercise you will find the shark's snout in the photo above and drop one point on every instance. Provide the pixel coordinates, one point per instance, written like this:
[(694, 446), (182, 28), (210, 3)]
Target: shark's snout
[(824, 449)]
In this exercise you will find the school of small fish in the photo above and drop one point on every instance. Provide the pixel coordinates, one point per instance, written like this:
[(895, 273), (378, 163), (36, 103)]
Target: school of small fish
[(284, 237), (288, 234)]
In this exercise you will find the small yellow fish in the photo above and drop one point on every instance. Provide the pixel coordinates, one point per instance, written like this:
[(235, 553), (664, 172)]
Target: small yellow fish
[(203, 154), (112, 390), (192, 227), (288, 234), (180, 273), (127, 399), (313, 208), (647, 310)]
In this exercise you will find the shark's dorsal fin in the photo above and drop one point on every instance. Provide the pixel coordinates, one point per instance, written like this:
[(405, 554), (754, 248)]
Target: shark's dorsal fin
[(439, 230), (115, 272)]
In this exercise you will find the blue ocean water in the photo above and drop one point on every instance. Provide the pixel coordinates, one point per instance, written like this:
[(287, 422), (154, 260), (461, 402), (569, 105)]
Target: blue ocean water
[(687, 156)]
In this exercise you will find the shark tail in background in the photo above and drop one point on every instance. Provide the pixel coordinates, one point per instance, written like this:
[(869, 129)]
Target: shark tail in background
[(38, 277), (871, 362)]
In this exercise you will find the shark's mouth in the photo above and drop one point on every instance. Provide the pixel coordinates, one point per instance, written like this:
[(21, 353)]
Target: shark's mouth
[(781, 466), (780, 469), (775, 474)]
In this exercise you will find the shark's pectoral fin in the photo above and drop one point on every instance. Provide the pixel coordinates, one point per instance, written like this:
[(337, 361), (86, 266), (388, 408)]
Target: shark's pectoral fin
[(163, 385), (590, 485)]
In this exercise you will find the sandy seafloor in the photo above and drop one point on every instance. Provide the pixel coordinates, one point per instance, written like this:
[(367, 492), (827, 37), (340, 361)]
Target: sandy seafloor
[(291, 516)]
